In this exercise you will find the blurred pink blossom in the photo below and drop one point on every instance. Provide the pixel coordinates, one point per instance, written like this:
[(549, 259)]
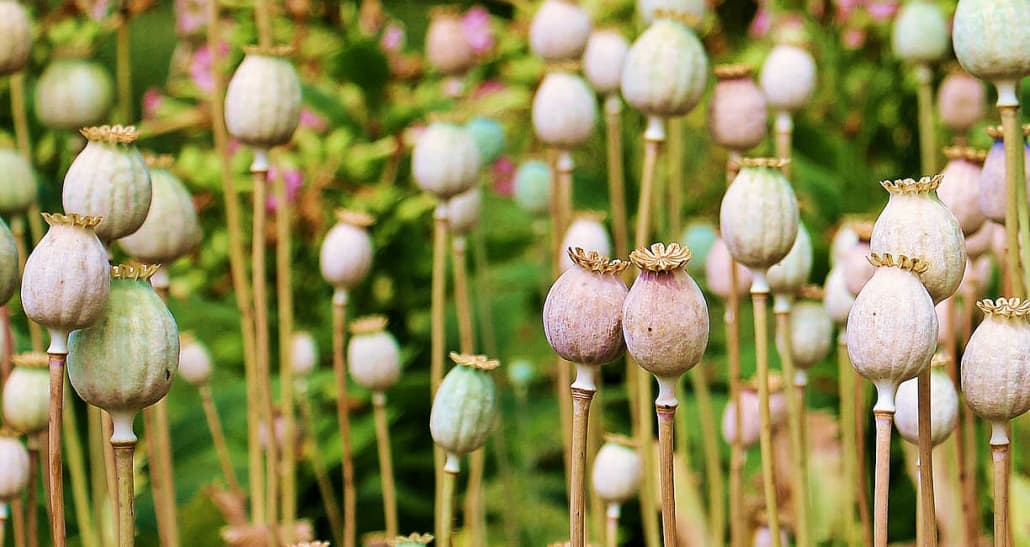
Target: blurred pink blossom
[(476, 27), (294, 180), (190, 16), (503, 172), (312, 121), (200, 66), (488, 87), (854, 38), (393, 37), (881, 10), (845, 8), (152, 99), (761, 24), (99, 10)]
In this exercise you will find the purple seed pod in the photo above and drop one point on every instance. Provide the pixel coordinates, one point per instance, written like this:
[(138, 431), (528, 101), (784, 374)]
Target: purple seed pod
[(737, 114), (960, 187)]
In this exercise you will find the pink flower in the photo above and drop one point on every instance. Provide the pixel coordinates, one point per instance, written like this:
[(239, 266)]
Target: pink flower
[(476, 26), (294, 180), (312, 121), (761, 24), (503, 172), (152, 99), (393, 37), (190, 16), (200, 66), (882, 10), (845, 8), (854, 38), (488, 87), (99, 10)]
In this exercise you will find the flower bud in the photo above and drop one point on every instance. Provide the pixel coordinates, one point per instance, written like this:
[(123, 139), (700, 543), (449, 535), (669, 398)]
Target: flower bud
[(346, 255), (373, 356), (263, 98)]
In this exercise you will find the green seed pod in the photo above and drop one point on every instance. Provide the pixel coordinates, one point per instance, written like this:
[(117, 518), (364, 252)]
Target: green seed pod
[(489, 136), (464, 408), (992, 39), (263, 99), (8, 264), (666, 70), (19, 189), (759, 215), (171, 229), (73, 93), (27, 394), (533, 187), (14, 466), (920, 32), (15, 37)]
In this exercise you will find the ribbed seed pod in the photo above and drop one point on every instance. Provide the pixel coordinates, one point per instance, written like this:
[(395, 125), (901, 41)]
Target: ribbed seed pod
[(788, 78), (916, 224), (979, 242), (887, 347), (67, 277), (737, 113), (995, 373), (960, 187), (759, 214), (109, 179), (559, 31), (303, 353), (564, 110), (9, 274), (960, 101), (603, 60), (533, 187), (992, 176), (27, 394), (843, 240), (346, 255), (373, 355), (171, 229), (464, 407), (14, 466), (194, 360), (73, 93), (263, 98), (749, 411), (992, 38), (445, 160), (691, 12), (811, 333), (19, 189), (837, 299), (586, 231), (488, 136), (717, 272), (463, 210), (920, 33), (15, 37), (617, 471), (787, 276), (943, 406), (666, 70), (447, 50)]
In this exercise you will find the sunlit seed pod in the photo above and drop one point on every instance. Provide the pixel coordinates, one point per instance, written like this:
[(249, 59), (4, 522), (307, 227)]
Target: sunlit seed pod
[(843, 240), (533, 187), (961, 101), (920, 34), (171, 229), (811, 329), (960, 187), (26, 397), (717, 272), (837, 299), (463, 210), (759, 214), (788, 78), (447, 49), (9, 274), (445, 160), (617, 471), (346, 254), (943, 406), (586, 231), (688, 11), (995, 372), (303, 353), (464, 408), (750, 412), (978, 243), (194, 360), (584, 308), (564, 110), (488, 136), (263, 98), (373, 355), (787, 276), (887, 347), (737, 114), (73, 93), (992, 177), (15, 37), (19, 189), (559, 31), (603, 60), (666, 70), (14, 466), (992, 38)]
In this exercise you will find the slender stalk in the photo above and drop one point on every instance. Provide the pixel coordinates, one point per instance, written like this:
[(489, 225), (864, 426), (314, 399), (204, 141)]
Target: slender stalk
[(18, 231), (611, 536), (884, 421), (158, 468), (437, 338), (385, 464), (759, 298), (8, 343), (583, 390), (849, 456), (666, 424), (168, 477), (343, 413), (100, 493), (450, 476), (616, 177), (563, 184), (929, 513), (32, 523), (784, 127), (123, 69), (1015, 184), (970, 492), (927, 130), (126, 502), (58, 354), (214, 425), (652, 147), (1000, 455), (484, 288), (21, 134), (263, 18), (675, 176), (731, 319), (284, 295), (710, 445), (325, 487), (794, 410), (860, 412), (563, 190), (3, 521), (18, 522), (107, 429)]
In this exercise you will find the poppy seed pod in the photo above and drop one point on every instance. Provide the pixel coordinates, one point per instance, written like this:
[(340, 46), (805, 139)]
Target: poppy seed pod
[(303, 353), (464, 408), (856, 268), (759, 214), (263, 98), (15, 37), (920, 33), (489, 137), (128, 359), (691, 12), (887, 347), (463, 210), (603, 59), (414, 540), (737, 113), (533, 187), (960, 187), (447, 49), (916, 223), (943, 406), (19, 189), (373, 355), (992, 41), (811, 333), (787, 276), (979, 242), (960, 101), (445, 160), (564, 110), (73, 93), (586, 231), (559, 31), (9, 274), (843, 240), (14, 466), (346, 255), (788, 78), (666, 70), (992, 177), (583, 310), (109, 179), (837, 299), (665, 317), (750, 412), (171, 229), (617, 471), (717, 272), (995, 373), (26, 400), (194, 360), (67, 277)]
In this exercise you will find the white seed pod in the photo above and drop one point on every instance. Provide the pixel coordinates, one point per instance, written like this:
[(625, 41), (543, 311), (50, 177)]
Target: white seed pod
[(194, 360), (109, 179), (666, 70), (373, 355), (617, 471), (67, 277), (464, 408), (463, 211), (303, 353), (586, 231), (960, 101), (9, 263), (787, 276), (14, 466), (751, 424), (603, 59), (887, 347), (559, 31), (447, 49), (943, 407), (995, 373), (960, 187), (72, 94), (979, 242), (992, 38), (759, 215), (346, 255), (993, 196), (944, 323), (717, 272), (688, 11), (916, 224), (920, 33), (27, 394), (837, 300), (171, 229), (737, 113), (843, 240), (19, 189), (263, 99), (445, 160), (788, 78), (811, 333), (15, 37), (564, 110)]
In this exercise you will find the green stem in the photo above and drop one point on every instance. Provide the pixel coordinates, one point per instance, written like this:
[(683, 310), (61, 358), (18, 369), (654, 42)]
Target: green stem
[(760, 297), (927, 130), (284, 295), (710, 444), (124, 71), (794, 410)]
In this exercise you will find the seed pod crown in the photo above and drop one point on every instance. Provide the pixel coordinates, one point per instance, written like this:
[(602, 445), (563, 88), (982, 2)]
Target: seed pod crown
[(1012, 308), (661, 258), (593, 261), (912, 186), (887, 260), (478, 362)]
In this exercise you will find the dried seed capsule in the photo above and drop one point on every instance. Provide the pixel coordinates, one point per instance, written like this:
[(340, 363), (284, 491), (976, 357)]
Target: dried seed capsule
[(27, 394), (8, 264), (463, 210), (559, 31), (19, 189), (346, 255), (992, 177), (943, 406), (445, 160), (811, 330), (717, 272), (73, 93), (564, 110), (960, 187), (666, 70), (447, 50), (617, 470), (787, 276), (843, 240), (920, 33), (992, 38), (14, 466), (603, 60), (464, 408), (15, 37), (373, 355), (788, 78), (303, 353), (171, 229), (737, 113), (856, 268), (586, 231), (194, 360), (759, 214), (533, 187), (960, 101), (263, 98)]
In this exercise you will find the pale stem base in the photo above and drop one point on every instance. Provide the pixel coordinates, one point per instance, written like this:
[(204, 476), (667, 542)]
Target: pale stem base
[(611, 535), (881, 484), (760, 297), (385, 464), (343, 415), (928, 510), (55, 464)]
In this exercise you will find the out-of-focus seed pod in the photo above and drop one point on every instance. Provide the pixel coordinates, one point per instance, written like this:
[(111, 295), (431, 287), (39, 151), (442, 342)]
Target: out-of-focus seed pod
[(717, 272), (559, 31), (463, 210), (837, 299), (788, 78), (564, 110), (843, 240), (992, 176), (960, 187), (586, 231), (759, 214), (9, 263), (992, 38), (699, 237), (303, 353), (263, 98), (666, 70), (920, 33), (171, 229), (445, 160), (346, 254), (750, 415), (373, 355), (447, 50), (811, 330), (979, 242), (787, 276), (603, 60), (27, 394), (691, 12), (194, 360), (617, 471), (488, 136), (763, 537), (960, 101), (737, 114), (73, 93), (464, 408), (943, 406), (15, 37), (413, 540), (19, 189), (533, 187), (14, 466)]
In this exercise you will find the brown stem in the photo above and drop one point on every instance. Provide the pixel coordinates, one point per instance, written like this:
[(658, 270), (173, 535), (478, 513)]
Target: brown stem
[(18, 522), (666, 424), (1000, 455), (313, 452), (284, 295), (214, 425), (1013, 160), (732, 313), (929, 513), (343, 414), (611, 535), (158, 467), (126, 502), (563, 189), (385, 464), (55, 465), (784, 134), (849, 456), (759, 298), (32, 522), (675, 175), (438, 336), (710, 445), (860, 412), (881, 485), (616, 178), (799, 489), (581, 397)]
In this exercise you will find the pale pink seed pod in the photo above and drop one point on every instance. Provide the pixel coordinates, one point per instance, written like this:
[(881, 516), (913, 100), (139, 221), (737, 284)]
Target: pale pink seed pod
[(14, 466), (717, 272), (856, 268), (688, 11), (26, 398), (603, 59), (999, 245), (737, 113), (960, 187), (463, 211), (916, 224), (15, 37), (763, 537), (811, 330), (447, 49), (194, 360), (346, 255), (992, 177), (73, 93), (583, 310), (960, 101), (837, 300), (943, 407), (445, 160), (564, 110), (171, 229), (759, 214), (788, 78), (10, 277), (303, 353), (666, 70), (980, 273), (979, 242), (617, 471), (887, 347), (750, 412), (373, 355), (586, 231), (559, 31), (263, 98), (787, 276), (843, 240)]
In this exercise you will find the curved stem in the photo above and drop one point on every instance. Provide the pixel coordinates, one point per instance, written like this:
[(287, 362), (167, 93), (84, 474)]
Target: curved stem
[(1000, 455), (884, 421), (55, 464), (284, 295), (385, 464), (343, 414), (214, 425), (616, 178), (581, 397), (849, 456), (797, 445), (325, 486), (710, 445), (126, 502), (666, 426), (929, 513), (759, 298)]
